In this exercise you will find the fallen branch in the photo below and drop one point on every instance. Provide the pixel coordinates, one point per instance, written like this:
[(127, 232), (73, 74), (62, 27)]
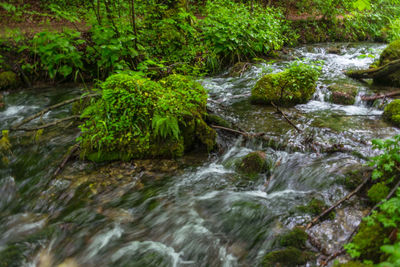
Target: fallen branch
[(231, 130), (66, 158), (350, 237), (44, 111), (379, 96), (347, 197), (375, 73), (53, 123), (286, 118)]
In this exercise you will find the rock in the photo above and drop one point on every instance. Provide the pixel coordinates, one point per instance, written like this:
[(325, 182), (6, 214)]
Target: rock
[(334, 50), (8, 80), (252, 164), (344, 94), (391, 112), (316, 207), (213, 119), (138, 118), (352, 264), (390, 53), (296, 237), (292, 86), (288, 257)]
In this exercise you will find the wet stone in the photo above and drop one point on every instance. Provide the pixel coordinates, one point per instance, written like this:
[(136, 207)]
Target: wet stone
[(343, 94)]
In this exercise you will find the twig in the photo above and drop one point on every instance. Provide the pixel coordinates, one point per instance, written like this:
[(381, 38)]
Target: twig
[(286, 118), (44, 111), (66, 159), (231, 130), (347, 197)]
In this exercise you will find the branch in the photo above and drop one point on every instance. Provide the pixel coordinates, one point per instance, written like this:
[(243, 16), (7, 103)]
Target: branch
[(66, 158), (379, 96), (53, 123), (375, 72), (286, 118), (44, 111), (347, 197)]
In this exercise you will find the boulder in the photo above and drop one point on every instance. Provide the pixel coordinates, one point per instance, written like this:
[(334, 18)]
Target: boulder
[(392, 112), (343, 94), (289, 257), (8, 80), (252, 164), (292, 86)]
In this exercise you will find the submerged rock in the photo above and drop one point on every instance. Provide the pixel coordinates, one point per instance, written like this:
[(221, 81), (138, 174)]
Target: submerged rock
[(344, 94), (292, 86), (8, 80), (392, 112), (252, 164)]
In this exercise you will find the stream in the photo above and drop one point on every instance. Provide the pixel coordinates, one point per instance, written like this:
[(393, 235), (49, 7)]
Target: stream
[(197, 210)]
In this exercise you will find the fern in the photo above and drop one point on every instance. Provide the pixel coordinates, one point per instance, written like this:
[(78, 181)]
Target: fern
[(166, 126)]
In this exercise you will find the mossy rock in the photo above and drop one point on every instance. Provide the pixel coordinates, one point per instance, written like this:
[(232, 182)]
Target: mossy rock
[(378, 192), (316, 207), (292, 86), (296, 237), (252, 164), (343, 94), (287, 257), (390, 53), (369, 239), (8, 80), (137, 118), (391, 112)]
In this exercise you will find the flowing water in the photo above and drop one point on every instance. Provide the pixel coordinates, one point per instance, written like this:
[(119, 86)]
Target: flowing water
[(195, 211)]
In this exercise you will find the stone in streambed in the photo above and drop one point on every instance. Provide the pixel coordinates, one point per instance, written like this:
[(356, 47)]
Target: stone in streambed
[(343, 94), (392, 112), (287, 257), (252, 164)]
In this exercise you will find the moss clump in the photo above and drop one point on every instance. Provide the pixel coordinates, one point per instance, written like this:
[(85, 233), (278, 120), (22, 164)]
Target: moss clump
[(297, 238), (252, 164), (293, 86), (217, 120), (354, 177), (378, 192), (392, 112), (368, 240), (8, 80), (140, 118), (287, 257), (390, 53), (316, 207), (344, 94)]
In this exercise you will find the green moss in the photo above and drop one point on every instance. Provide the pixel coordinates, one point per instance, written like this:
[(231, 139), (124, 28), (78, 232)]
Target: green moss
[(287, 257), (297, 238), (368, 241), (352, 264), (344, 94), (392, 112), (252, 164), (292, 86), (8, 80), (316, 207), (11, 256), (140, 118), (390, 53), (378, 192)]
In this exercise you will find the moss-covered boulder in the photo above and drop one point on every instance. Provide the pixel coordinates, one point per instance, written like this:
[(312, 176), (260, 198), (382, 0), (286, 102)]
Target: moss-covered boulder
[(367, 242), (390, 53), (8, 80), (296, 237), (140, 118), (343, 94), (391, 112), (292, 86), (378, 192), (287, 257), (252, 164)]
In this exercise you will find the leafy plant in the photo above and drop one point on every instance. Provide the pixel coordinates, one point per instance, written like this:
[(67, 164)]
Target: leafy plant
[(387, 162), (165, 126)]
